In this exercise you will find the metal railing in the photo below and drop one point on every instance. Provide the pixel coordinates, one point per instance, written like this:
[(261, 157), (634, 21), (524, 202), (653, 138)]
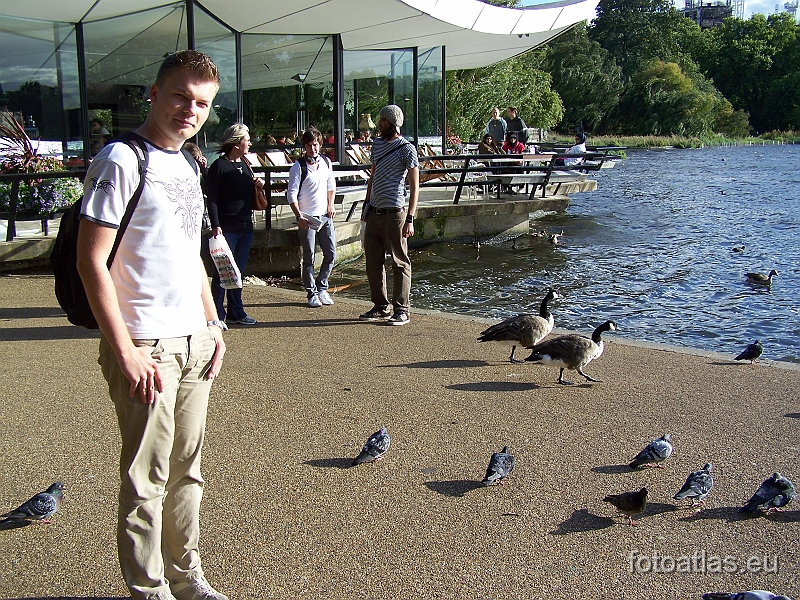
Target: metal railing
[(13, 215)]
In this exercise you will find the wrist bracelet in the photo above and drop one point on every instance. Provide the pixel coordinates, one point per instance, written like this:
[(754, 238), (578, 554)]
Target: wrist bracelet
[(217, 323), (409, 218)]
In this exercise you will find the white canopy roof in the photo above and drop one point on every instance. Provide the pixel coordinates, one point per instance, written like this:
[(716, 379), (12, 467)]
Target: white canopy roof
[(475, 34)]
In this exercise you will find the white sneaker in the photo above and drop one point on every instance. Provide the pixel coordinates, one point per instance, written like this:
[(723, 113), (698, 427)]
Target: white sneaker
[(196, 588), (314, 302), (325, 297)]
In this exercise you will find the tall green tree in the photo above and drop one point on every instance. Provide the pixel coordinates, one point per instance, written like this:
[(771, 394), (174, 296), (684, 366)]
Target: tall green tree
[(638, 31), (753, 63), (586, 77), (471, 94)]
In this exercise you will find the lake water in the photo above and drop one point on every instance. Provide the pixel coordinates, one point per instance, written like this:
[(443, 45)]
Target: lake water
[(652, 249)]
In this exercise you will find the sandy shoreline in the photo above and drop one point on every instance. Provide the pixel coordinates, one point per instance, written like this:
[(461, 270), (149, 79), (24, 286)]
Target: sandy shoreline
[(301, 391)]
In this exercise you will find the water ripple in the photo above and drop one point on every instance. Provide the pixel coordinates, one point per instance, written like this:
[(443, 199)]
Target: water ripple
[(652, 249)]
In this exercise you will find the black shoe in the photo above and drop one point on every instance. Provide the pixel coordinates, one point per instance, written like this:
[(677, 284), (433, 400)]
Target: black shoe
[(399, 318), (376, 314)]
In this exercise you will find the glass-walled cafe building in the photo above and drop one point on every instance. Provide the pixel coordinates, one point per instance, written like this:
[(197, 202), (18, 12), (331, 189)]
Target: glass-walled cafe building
[(78, 74)]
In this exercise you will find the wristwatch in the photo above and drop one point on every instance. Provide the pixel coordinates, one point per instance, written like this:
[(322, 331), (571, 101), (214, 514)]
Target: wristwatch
[(410, 219), (217, 323)]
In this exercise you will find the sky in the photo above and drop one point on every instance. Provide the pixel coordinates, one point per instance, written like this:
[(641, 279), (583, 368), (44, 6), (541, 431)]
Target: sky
[(765, 7)]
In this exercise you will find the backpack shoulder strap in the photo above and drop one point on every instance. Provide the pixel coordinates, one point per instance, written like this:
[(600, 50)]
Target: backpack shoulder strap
[(135, 143), (303, 171)]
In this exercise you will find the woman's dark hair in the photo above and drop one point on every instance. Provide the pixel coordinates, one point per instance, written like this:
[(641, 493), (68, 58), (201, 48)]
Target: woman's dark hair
[(581, 137), (487, 136)]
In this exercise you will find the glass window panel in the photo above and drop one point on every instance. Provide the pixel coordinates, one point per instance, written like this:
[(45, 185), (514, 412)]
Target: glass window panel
[(123, 55), (219, 42), (38, 62), (374, 79), (288, 86), (430, 96)]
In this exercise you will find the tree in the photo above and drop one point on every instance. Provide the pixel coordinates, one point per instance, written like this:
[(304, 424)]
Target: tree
[(663, 100), (638, 31), (585, 76), (471, 94), (746, 59)]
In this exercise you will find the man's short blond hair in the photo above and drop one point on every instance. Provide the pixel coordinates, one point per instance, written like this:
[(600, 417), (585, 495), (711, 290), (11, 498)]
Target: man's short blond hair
[(198, 64)]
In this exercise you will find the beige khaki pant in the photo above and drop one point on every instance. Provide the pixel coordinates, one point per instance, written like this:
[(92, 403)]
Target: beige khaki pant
[(161, 487)]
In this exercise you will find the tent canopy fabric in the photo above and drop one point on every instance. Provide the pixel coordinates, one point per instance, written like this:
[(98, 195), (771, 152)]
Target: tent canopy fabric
[(475, 34)]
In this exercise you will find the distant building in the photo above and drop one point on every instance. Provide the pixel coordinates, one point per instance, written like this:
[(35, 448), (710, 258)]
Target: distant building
[(711, 14)]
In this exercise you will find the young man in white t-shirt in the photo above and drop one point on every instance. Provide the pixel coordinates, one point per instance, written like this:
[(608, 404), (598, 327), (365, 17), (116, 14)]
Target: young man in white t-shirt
[(161, 344), (311, 200)]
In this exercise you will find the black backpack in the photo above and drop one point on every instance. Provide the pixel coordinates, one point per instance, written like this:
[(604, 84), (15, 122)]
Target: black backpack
[(70, 292)]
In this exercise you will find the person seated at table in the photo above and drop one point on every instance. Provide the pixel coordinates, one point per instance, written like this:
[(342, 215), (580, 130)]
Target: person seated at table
[(488, 146), (512, 145), (578, 148)]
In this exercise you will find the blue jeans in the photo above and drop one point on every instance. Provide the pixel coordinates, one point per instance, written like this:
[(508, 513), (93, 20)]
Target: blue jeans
[(240, 246), (326, 238)]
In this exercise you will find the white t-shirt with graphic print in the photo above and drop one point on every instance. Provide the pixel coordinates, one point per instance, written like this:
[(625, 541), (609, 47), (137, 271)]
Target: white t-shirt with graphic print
[(157, 268)]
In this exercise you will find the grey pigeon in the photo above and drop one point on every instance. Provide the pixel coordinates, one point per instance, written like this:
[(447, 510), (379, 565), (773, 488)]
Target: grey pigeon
[(39, 508), (752, 595), (376, 446), (500, 467), (654, 453), (571, 351), (698, 485), (775, 493), (752, 352), (522, 330), (629, 503)]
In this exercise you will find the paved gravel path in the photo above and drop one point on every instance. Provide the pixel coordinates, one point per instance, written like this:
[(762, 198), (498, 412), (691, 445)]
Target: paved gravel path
[(283, 516)]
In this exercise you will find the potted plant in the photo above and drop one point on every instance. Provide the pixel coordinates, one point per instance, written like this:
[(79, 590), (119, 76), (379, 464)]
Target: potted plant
[(38, 198)]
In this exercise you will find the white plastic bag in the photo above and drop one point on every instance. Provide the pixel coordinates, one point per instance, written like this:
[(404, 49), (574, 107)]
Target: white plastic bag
[(229, 275)]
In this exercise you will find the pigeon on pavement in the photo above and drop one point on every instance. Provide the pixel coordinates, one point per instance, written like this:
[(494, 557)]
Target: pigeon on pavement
[(629, 503), (654, 453), (376, 446), (698, 485), (500, 467), (39, 508), (751, 595), (751, 353), (775, 493)]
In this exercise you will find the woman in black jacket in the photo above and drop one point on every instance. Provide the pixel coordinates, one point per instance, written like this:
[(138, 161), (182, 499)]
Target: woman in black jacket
[(230, 192)]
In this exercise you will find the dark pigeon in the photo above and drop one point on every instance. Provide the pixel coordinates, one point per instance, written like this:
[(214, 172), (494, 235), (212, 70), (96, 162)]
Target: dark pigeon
[(500, 467), (629, 503), (376, 446), (752, 352), (775, 493), (39, 508)]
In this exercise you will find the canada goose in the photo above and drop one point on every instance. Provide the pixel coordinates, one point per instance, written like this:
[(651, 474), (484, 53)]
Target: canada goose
[(522, 330), (571, 351), (760, 278), (553, 237), (739, 248)]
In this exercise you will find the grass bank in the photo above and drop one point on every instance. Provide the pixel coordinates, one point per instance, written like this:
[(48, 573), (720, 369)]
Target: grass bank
[(653, 141)]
